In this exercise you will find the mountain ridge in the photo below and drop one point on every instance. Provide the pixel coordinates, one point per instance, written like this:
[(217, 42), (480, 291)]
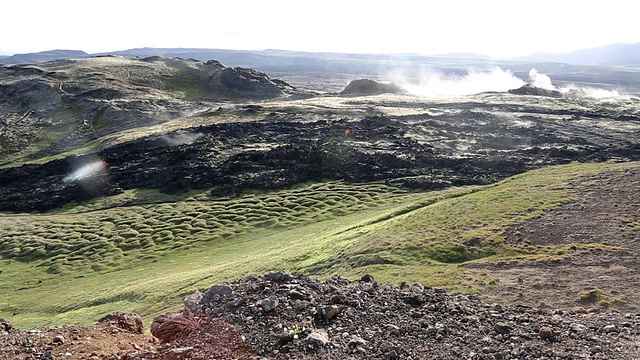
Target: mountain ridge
[(616, 54)]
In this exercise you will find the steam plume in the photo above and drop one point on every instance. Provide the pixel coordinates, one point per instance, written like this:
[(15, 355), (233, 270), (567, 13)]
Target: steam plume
[(540, 80), (474, 82), (544, 81), (181, 138)]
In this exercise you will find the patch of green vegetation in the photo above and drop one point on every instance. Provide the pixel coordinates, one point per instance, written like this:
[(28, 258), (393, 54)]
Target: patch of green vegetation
[(119, 225), (463, 225), (131, 253), (598, 297), (635, 224)]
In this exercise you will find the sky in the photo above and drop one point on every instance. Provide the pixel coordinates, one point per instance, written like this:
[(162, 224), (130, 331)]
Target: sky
[(497, 28)]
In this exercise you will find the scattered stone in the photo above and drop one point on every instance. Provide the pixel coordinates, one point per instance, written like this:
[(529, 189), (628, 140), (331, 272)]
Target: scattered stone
[(502, 328), (58, 339), (367, 278), (578, 328), (377, 323), (5, 325), (295, 294), (192, 300), (279, 276), (609, 329), (222, 290), (318, 337), (178, 354), (329, 312), (546, 333), (270, 303)]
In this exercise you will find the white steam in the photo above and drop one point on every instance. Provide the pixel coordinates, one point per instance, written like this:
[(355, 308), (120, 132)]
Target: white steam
[(540, 80), (590, 92), (181, 138), (474, 82), (544, 81)]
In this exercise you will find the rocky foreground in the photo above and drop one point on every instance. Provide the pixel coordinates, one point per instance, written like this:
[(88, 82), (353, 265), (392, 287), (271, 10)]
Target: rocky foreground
[(283, 316)]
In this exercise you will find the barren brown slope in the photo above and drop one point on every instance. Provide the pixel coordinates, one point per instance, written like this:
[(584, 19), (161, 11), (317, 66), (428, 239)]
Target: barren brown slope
[(607, 217)]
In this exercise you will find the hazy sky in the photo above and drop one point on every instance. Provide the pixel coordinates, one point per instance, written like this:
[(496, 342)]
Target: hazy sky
[(497, 28)]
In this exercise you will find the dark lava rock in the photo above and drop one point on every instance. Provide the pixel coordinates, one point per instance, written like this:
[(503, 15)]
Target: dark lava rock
[(378, 323), (91, 97), (371, 87), (248, 83), (5, 325), (367, 278), (529, 89), (270, 303)]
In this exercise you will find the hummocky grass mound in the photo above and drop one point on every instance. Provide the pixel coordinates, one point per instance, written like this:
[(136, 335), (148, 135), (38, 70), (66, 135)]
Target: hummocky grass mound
[(143, 251)]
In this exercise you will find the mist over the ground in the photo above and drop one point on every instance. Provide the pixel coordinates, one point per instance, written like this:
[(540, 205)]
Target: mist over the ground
[(544, 81), (436, 83)]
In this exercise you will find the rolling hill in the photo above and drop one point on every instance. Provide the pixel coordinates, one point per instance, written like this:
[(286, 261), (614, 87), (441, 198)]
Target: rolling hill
[(129, 183)]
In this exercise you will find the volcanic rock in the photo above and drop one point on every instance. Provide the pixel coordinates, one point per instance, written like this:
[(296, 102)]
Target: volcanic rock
[(58, 339), (379, 322), (5, 325), (167, 326), (529, 89), (270, 303), (318, 338), (92, 97), (371, 87), (546, 333), (128, 321), (248, 83)]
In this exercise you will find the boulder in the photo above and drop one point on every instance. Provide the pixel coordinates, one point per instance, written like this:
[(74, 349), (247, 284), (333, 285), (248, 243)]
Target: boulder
[(270, 303), (124, 320), (5, 325), (167, 326)]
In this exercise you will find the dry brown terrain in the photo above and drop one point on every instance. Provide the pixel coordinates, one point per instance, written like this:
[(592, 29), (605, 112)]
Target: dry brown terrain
[(607, 216)]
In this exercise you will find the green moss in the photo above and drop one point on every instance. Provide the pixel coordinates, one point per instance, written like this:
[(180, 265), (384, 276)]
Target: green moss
[(395, 234)]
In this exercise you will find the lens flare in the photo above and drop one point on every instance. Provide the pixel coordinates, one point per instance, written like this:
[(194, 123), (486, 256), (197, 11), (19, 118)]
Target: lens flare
[(85, 171)]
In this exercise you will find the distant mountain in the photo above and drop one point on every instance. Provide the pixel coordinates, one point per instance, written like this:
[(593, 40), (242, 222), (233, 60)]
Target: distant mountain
[(620, 54), (628, 55), (463, 55), (31, 58)]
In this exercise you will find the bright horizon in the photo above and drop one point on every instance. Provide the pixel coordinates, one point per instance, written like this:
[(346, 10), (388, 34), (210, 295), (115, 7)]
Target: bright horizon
[(496, 28)]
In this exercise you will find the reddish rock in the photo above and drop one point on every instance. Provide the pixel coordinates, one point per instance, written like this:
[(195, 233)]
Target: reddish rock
[(167, 326)]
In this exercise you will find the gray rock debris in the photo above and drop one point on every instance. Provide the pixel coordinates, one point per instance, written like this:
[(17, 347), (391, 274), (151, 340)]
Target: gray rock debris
[(343, 319)]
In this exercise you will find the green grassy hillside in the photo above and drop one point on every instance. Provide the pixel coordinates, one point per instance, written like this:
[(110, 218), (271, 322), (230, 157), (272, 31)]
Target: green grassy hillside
[(144, 251)]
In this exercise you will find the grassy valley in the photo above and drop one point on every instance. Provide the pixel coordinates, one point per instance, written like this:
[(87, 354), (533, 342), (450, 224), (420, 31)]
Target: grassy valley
[(144, 251), (207, 173)]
